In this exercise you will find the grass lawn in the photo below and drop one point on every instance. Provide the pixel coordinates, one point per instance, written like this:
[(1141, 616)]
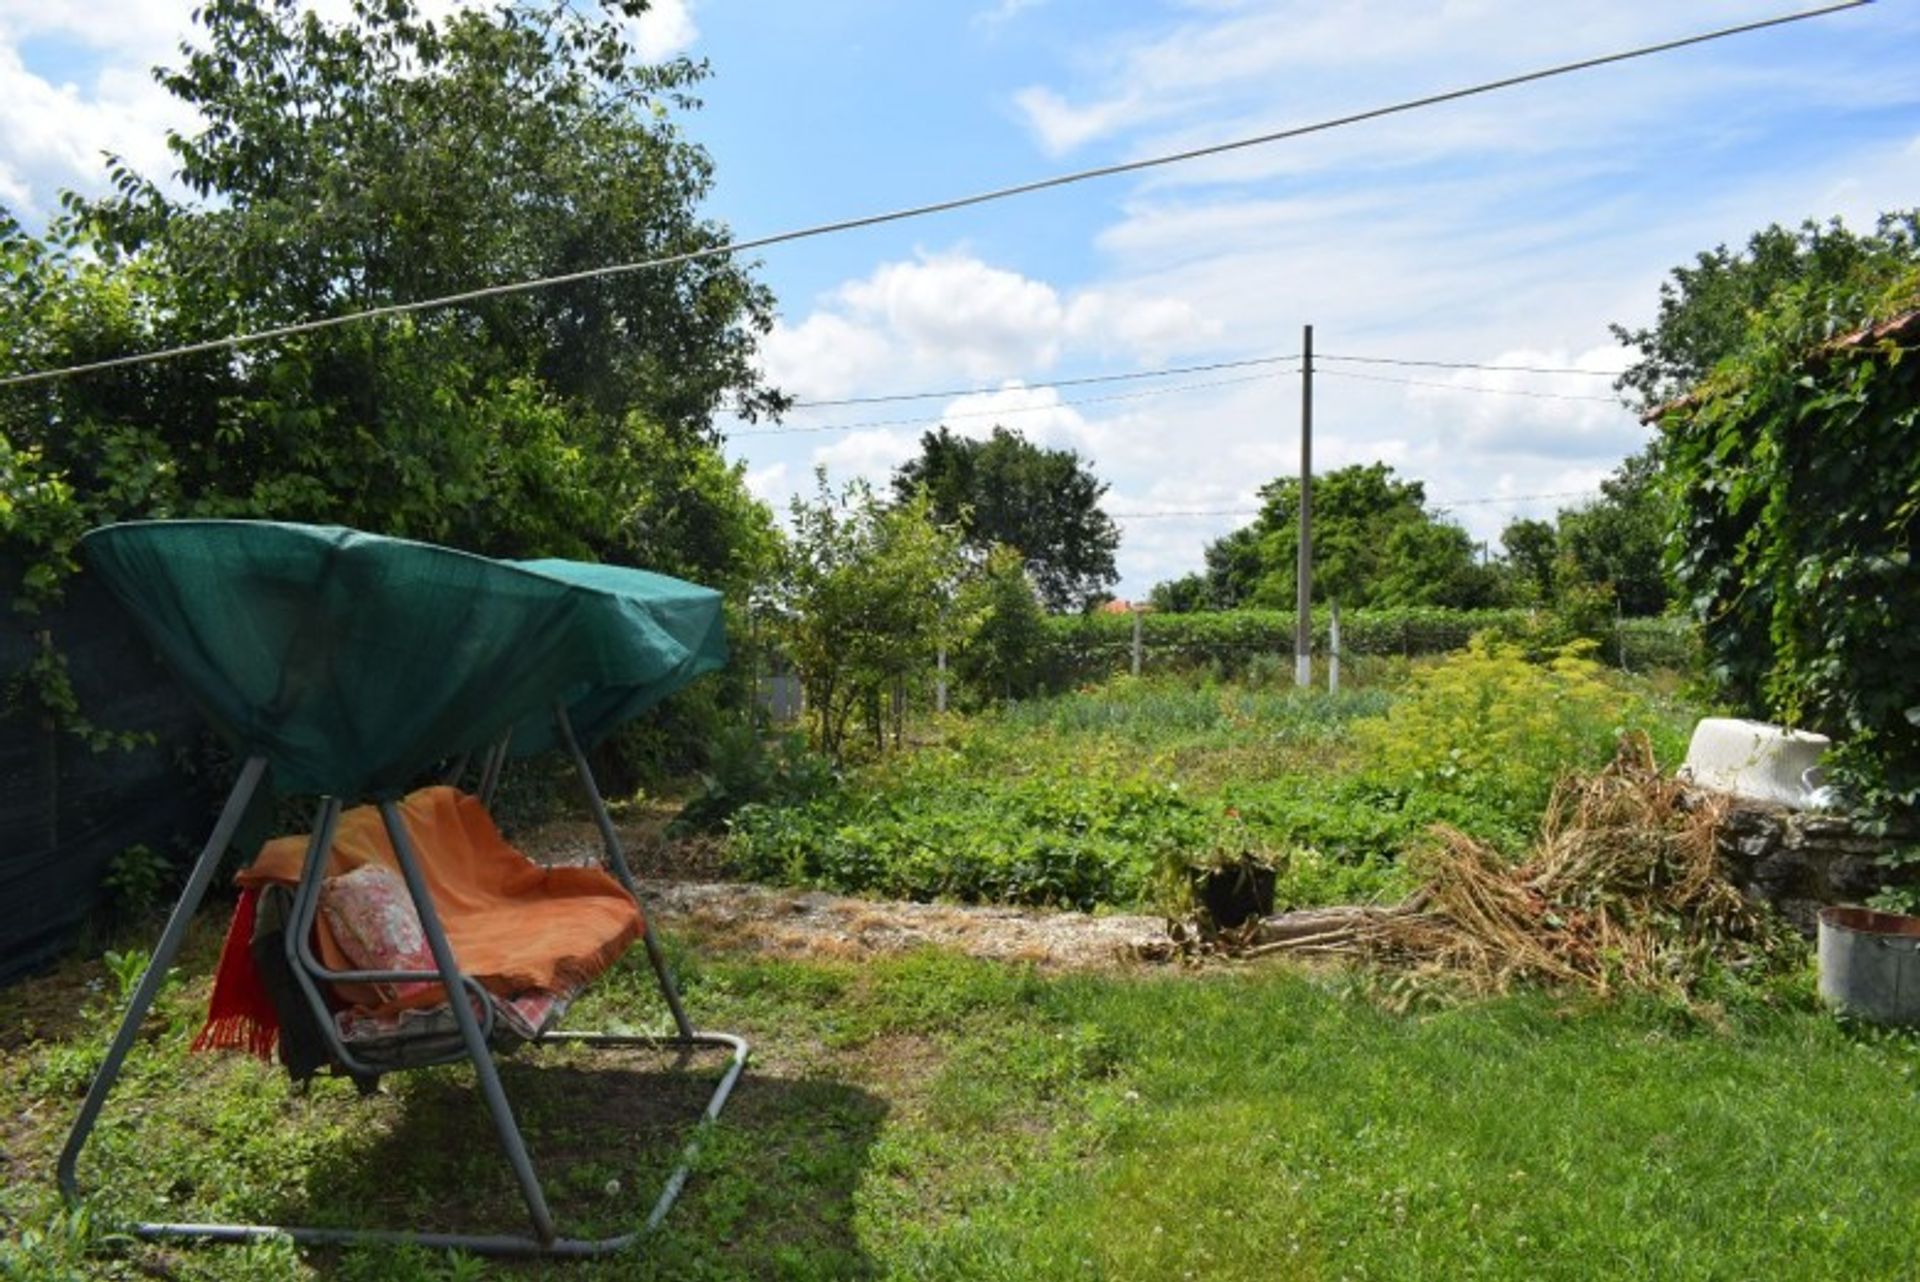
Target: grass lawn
[(934, 1116), (940, 1117)]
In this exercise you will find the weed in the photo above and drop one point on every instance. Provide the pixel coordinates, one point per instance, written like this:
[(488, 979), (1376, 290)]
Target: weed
[(134, 880)]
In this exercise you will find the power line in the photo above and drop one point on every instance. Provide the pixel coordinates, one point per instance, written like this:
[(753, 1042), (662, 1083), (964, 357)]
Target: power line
[(1438, 505), (1463, 387), (1029, 382), (1001, 413), (1132, 396), (1155, 516), (1498, 369), (1444, 504), (935, 207), (1046, 382)]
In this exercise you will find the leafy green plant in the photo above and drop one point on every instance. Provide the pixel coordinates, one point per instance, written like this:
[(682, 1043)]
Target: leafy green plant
[(56, 1250), (749, 768), (135, 879), (1489, 727), (126, 969), (1003, 629)]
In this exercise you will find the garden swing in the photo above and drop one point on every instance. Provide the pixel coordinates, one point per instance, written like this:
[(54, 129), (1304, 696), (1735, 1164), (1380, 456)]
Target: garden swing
[(349, 666)]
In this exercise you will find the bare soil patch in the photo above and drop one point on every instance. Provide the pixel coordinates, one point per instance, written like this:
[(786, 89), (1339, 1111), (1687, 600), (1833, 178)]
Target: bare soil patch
[(680, 883)]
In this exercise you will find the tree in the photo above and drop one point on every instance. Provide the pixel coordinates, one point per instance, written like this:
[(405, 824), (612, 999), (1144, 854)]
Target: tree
[(378, 160), (1706, 311), (382, 159), (1005, 627), (1007, 491), (1532, 547), (1233, 567), (1614, 545), (1620, 538), (1374, 544), (1188, 594), (861, 598)]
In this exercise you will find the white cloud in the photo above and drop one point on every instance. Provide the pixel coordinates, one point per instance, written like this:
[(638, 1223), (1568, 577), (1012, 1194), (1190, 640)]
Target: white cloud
[(953, 316), (1243, 70), (1060, 126), (824, 356), (664, 30), (769, 484), (955, 309), (870, 454), (55, 135), (146, 29)]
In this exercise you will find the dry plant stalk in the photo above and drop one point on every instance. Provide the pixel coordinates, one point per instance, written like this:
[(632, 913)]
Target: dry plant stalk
[(1622, 891)]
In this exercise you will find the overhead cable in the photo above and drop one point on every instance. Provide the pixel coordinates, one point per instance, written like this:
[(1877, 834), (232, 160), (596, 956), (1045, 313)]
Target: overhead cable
[(935, 207), (1468, 387), (923, 420), (1046, 382), (1438, 505), (1498, 369)]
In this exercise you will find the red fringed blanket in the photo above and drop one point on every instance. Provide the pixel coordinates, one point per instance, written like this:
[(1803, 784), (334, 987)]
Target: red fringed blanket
[(240, 1015)]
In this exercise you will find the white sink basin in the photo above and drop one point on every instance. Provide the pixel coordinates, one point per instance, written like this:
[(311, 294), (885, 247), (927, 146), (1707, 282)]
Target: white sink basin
[(1758, 761)]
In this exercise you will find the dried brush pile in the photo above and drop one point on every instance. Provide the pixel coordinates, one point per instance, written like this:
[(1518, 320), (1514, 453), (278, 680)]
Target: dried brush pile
[(1623, 892)]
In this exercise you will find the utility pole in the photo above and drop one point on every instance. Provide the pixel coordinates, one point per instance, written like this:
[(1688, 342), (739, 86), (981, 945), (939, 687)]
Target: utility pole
[(1303, 617)]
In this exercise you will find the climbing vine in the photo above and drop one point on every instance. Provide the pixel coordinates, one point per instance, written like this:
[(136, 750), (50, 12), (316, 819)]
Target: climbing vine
[(1796, 473)]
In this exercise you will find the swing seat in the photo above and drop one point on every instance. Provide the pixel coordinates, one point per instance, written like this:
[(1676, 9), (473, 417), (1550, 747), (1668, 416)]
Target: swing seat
[(351, 667), (532, 937)]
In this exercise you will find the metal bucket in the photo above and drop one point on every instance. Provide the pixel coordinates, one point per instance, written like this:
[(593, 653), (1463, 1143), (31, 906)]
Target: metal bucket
[(1870, 964)]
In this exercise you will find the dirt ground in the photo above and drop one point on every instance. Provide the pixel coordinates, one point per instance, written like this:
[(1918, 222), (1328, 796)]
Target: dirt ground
[(681, 883)]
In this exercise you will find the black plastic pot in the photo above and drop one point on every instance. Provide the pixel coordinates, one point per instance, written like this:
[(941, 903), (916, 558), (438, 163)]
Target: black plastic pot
[(1235, 894)]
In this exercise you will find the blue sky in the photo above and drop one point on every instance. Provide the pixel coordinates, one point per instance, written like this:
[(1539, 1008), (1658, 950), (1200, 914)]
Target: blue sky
[(1506, 230)]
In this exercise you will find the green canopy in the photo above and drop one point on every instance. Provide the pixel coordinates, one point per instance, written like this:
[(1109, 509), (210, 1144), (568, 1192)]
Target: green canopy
[(353, 662)]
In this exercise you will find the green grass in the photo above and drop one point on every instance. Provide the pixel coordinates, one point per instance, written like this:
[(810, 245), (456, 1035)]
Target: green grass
[(935, 1117)]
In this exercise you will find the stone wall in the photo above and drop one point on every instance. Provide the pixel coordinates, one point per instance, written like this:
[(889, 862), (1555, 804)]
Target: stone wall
[(1800, 861)]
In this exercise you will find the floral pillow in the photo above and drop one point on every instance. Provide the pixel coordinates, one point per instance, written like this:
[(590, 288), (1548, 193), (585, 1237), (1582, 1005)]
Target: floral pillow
[(374, 921)]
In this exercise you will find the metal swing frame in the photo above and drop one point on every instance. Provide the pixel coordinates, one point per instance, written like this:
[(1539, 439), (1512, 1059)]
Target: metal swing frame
[(544, 1239)]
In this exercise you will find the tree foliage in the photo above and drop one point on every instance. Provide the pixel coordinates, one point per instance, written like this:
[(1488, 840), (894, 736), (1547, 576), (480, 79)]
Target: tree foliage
[(382, 159), (1375, 544), (1612, 547), (1532, 550), (1007, 491), (1707, 310), (861, 599), (1004, 625)]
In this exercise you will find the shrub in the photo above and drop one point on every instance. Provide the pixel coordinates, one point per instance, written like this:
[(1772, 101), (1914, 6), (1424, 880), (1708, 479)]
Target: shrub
[(1488, 728), (748, 768), (1005, 628)]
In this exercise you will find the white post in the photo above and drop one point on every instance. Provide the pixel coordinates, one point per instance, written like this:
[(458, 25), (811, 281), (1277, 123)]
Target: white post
[(1136, 640), (1333, 650), (940, 683)]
